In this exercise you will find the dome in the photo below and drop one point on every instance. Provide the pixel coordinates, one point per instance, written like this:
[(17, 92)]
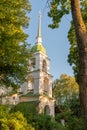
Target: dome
[(37, 48)]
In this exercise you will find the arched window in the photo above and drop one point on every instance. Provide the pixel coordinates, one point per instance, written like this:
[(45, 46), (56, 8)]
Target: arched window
[(30, 85), (47, 110), (44, 66), (46, 85), (33, 62)]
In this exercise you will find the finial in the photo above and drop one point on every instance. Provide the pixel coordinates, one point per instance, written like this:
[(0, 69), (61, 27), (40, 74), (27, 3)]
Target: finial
[(39, 37)]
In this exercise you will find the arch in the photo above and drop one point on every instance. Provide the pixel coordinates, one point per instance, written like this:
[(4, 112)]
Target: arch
[(47, 110), (44, 65), (46, 85), (30, 84), (33, 62)]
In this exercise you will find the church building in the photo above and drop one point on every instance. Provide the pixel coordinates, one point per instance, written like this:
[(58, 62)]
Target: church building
[(39, 80)]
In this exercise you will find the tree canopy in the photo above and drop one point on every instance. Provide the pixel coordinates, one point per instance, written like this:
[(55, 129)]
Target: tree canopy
[(64, 89), (14, 51)]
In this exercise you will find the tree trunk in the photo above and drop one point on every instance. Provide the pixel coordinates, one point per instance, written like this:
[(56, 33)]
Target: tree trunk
[(81, 36)]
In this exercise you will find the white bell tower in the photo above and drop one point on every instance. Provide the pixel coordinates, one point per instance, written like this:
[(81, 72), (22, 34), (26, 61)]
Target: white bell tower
[(39, 80)]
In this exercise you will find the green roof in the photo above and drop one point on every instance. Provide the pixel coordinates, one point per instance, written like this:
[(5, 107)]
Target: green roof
[(37, 48)]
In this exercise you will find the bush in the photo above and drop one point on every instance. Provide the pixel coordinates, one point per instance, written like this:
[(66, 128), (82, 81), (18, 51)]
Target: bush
[(38, 121), (13, 121), (72, 122)]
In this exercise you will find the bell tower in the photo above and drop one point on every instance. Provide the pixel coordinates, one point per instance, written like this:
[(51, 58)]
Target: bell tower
[(39, 80)]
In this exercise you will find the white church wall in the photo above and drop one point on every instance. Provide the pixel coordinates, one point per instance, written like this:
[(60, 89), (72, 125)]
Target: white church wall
[(44, 101)]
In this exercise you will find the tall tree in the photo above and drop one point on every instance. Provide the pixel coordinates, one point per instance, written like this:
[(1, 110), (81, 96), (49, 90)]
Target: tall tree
[(57, 10), (64, 89), (73, 51), (14, 51)]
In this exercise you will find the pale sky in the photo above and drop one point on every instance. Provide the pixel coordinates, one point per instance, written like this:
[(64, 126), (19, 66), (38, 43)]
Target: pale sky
[(55, 41)]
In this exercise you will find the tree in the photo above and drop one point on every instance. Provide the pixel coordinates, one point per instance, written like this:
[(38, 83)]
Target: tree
[(64, 90), (28, 109), (75, 107), (12, 121), (57, 10), (14, 51), (73, 52)]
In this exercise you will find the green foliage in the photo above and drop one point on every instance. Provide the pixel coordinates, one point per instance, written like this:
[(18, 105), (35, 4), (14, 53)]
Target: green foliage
[(44, 122), (66, 92), (75, 106), (72, 116), (59, 8), (28, 109), (13, 121), (64, 89), (39, 122), (75, 123), (71, 122), (14, 51), (3, 111), (64, 115)]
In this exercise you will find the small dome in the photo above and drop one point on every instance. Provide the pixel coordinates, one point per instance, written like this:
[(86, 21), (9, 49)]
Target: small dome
[(37, 48)]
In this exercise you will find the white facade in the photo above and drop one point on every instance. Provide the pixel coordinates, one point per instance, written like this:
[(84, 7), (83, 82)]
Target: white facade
[(6, 96)]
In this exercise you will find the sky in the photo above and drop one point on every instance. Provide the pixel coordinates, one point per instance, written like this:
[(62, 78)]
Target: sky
[(54, 40)]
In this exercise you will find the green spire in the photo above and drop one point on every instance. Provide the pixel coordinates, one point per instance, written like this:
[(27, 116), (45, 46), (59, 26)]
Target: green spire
[(38, 46)]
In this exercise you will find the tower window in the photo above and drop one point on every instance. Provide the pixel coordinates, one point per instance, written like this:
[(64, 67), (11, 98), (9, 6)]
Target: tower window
[(46, 85), (44, 66), (33, 62), (30, 84)]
